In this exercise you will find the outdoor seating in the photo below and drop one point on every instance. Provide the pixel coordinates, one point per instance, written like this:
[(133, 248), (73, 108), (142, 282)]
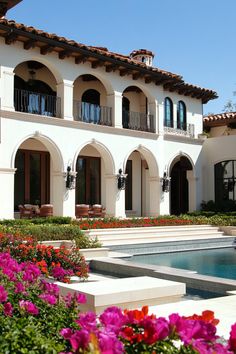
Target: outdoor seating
[(46, 210), (25, 212), (82, 211), (97, 211)]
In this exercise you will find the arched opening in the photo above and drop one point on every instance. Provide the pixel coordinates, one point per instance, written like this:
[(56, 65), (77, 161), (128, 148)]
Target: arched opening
[(168, 113), (90, 101), (32, 177), (180, 185), (142, 184), (35, 90), (125, 112), (93, 164), (135, 113), (181, 116)]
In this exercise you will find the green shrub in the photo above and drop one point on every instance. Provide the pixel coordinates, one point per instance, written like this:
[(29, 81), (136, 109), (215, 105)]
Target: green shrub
[(48, 232)]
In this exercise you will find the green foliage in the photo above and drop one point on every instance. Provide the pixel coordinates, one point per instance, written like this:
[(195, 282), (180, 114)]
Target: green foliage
[(45, 232)]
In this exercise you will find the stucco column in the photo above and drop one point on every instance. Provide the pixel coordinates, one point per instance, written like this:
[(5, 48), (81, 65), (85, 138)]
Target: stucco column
[(154, 187), (114, 101), (153, 110), (7, 192), (111, 191), (63, 199), (7, 88), (160, 119), (192, 180), (65, 92)]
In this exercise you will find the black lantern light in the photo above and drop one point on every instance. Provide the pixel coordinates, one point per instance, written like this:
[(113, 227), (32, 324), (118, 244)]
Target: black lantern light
[(121, 179), (70, 178), (165, 183)]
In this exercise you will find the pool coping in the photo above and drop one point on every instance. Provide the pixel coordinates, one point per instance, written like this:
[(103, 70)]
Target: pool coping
[(192, 279)]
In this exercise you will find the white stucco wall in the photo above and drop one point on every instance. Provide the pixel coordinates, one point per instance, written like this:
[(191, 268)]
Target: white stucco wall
[(65, 139)]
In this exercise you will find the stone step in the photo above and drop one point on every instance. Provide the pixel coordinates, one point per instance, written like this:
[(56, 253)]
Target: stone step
[(125, 236)]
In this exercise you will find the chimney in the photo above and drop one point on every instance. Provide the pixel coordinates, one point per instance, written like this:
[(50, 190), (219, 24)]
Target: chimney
[(143, 55)]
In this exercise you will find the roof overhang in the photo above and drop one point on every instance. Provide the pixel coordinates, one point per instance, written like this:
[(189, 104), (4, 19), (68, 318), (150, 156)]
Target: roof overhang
[(6, 5), (98, 57)]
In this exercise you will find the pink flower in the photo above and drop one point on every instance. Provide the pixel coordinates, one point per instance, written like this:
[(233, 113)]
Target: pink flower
[(80, 298), (3, 294), (50, 288), (50, 299), (87, 321), (113, 319), (19, 288), (78, 339), (109, 343), (29, 307), (7, 309), (232, 338)]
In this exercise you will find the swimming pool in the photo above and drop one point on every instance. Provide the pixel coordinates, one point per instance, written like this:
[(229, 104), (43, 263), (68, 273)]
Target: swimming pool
[(215, 262)]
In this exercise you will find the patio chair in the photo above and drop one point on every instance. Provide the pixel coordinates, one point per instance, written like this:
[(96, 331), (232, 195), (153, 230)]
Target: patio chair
[(46, 210), (25, 212), (97, 211), (82, 211)]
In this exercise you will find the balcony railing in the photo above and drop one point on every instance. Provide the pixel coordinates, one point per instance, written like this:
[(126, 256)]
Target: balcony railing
[(37, 103), (92, 113), (178, 128), (138, 121)]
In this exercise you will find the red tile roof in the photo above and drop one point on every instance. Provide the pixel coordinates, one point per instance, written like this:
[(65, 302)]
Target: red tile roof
[(212, 120), (66, 47)]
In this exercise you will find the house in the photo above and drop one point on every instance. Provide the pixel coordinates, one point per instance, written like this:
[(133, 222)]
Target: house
[(72, 116), (219, 163)]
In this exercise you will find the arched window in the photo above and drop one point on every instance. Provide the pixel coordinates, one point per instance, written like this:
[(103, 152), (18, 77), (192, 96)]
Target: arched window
[(225, 182), (125, 112), (181, 116), (168, 113)]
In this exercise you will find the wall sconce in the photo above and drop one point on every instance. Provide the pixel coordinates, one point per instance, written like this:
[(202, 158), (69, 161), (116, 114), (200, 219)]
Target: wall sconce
[(121, 179), (165, 183), (70, 178)]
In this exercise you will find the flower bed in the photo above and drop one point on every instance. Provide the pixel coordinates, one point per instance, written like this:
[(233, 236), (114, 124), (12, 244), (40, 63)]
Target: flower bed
[(34, 318), (60, 263), (110, 223)]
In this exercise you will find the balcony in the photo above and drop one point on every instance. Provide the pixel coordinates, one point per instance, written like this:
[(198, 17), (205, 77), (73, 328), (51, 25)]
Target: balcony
[(179, 129), (92, 113), (138, 121), (37, 103)]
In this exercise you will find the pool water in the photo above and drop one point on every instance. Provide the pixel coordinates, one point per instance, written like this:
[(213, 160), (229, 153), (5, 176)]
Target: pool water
[(214, 262)]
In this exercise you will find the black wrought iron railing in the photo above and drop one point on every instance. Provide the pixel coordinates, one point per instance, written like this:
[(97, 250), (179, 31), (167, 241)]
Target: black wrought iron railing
[(138, 121), (179, 128), (92, 113), (37, 103)]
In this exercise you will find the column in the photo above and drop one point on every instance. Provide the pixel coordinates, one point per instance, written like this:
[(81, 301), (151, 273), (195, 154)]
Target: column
[(154, 187), (192, 180), (65, 92), (7, 88), (114, 100), (160, 120), (7, 193), (111, 191), (153, 110), (63, 199)]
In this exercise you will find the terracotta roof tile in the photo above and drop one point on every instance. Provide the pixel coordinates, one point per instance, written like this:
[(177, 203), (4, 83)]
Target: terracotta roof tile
[(214, 120), (176, 82)]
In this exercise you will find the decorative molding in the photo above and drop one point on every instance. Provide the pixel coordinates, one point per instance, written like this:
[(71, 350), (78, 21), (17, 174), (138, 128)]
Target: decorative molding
[(7, 170)]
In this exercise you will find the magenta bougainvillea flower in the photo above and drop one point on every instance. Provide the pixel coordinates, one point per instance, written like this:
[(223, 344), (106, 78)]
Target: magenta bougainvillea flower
[(29, 307)]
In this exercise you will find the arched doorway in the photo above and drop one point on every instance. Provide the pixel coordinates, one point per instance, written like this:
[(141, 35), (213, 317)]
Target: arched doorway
[(32, 177), (180, 186)]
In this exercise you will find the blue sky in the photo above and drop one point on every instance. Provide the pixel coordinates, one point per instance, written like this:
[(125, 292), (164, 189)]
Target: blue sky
[(193, 38)]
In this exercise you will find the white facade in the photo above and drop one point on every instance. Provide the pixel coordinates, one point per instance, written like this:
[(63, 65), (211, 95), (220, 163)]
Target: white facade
[(66, 138)]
